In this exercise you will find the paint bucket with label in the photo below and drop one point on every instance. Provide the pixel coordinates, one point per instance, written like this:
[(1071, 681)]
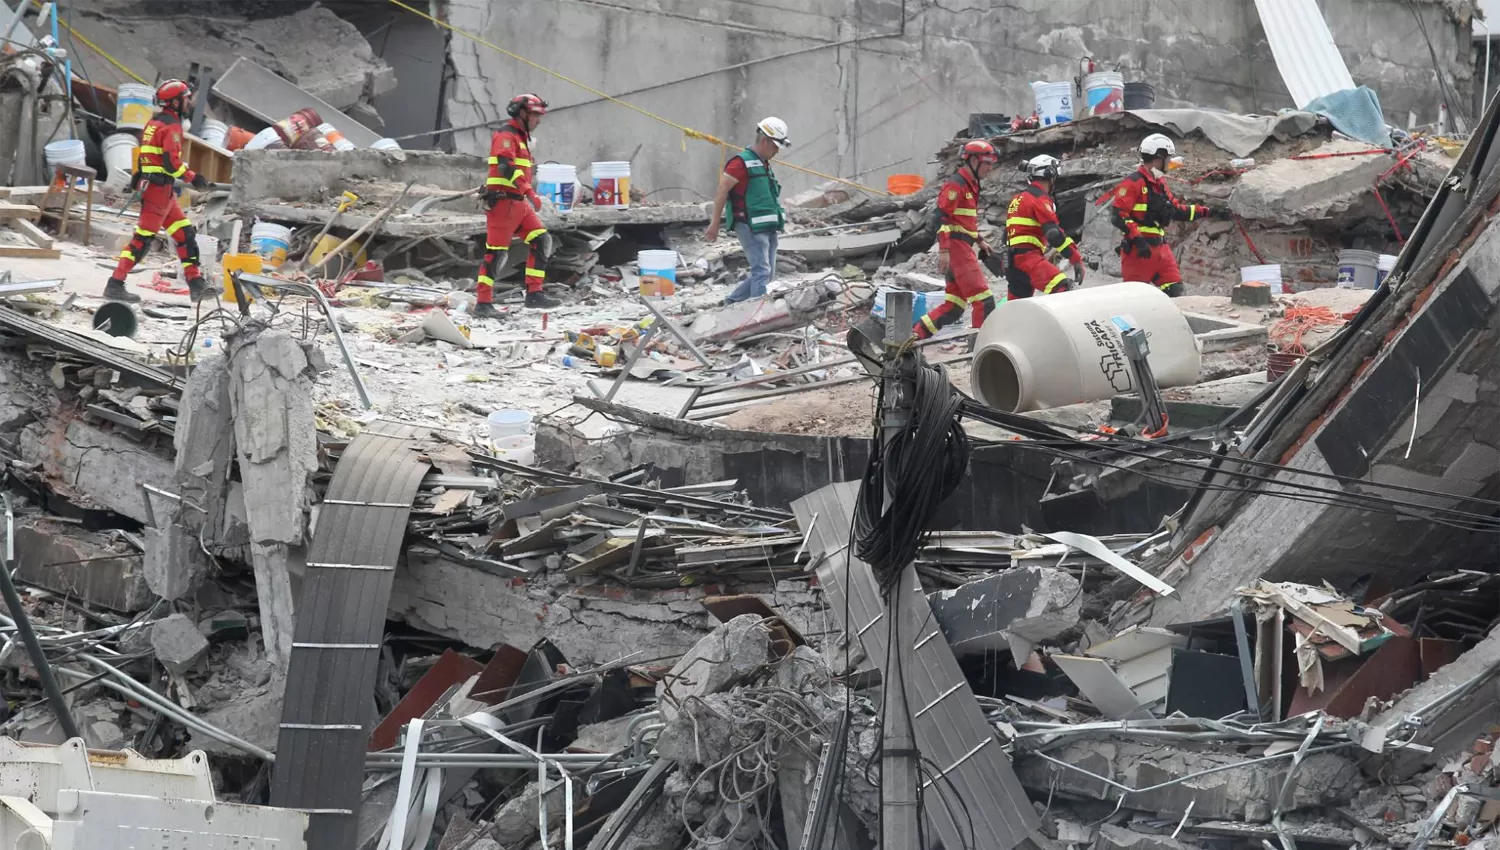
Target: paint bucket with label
[(1105, 92), (556, 182), (134, 106), (214, 132), (611, 184), (1054, 102), (119, 158), (1269, 274), (386, 145), (335, 138), (1357, 269), (658, 272), (1139, 96), (271, 242), (293, 127), (267, 139), (1383, 267)]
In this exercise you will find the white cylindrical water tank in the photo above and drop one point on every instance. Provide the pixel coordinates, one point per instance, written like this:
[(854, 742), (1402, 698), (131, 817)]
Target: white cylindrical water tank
[(1053, 350)]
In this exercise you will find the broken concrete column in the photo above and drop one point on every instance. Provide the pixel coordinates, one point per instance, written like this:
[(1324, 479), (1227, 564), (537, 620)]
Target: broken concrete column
[(275, 433), (716, 662), (1011, 610), (1246, 793), (178, 644)]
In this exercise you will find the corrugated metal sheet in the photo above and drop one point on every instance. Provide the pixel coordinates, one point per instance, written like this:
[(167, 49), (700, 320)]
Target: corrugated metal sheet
[(326, 718), (991, 811), (82, 345), (1306, 55)]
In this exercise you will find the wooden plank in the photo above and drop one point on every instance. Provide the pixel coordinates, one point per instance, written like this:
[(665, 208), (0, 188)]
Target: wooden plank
[(10, 212), (38, 236), (32, 253)]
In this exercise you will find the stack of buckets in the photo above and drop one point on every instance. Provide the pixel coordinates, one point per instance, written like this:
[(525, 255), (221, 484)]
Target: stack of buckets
[(511, 436), (658, 272), (1363, 269), (271, 242), (1104, 92)]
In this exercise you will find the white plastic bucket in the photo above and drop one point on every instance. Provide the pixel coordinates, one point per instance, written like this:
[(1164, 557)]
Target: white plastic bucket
[(1104, 91), (271, 242), (1054, 102), (520, 448), (386, 145), (658, 272), (208, 256), (119, 153), (66, 152), (556, 182), (1357, 269), (264, 139), (509, 423), (1383, 267), (214, 132), (611, 184), (335, 138), (134, 106), (1269, 274)]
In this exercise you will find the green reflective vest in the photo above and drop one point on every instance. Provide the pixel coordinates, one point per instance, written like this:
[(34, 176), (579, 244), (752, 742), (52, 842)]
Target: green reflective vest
[(762, 196)]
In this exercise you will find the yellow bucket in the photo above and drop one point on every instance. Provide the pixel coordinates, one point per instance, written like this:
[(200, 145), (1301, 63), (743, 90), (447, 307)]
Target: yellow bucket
[(252, 263), (328, 243)]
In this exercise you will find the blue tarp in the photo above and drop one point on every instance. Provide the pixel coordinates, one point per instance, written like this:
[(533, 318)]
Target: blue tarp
[(1355, 113)]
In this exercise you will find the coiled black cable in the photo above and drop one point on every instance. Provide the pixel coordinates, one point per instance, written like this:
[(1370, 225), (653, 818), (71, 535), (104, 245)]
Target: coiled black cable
[(922, 465)]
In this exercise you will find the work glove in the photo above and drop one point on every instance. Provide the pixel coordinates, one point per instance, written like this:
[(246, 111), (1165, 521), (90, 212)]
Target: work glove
[(1078, 274), (1142, 247), (136, 179), (536, 201), (200, 182), (1220, 213), (994, 263), (491, 197)]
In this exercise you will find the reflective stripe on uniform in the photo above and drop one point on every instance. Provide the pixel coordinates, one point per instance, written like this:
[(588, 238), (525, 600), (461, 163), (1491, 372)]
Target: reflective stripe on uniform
[(151, 149), (486, 280), (1027, 240), (983, 294), (534, 234), (930, 326), (146, 233), (494, 160), (955, 299), (126, 255), (536, 273), (1067, 243), (524, 163), (954, 228), (762, 219), (1141, 207), (497, 247), (501, 181), (1022, 222), (178, 225), (1153, 231), (1055, 281), (1166, 285), (1192, 212), (966, 212)]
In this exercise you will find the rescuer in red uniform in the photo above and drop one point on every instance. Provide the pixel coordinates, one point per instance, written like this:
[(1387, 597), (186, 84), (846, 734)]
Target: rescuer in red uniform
[(959, 244), (1031, 227), (1142, 208), (159, 166), (507, 192)]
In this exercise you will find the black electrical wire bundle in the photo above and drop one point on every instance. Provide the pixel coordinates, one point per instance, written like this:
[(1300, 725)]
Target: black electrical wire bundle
[(922, 465)]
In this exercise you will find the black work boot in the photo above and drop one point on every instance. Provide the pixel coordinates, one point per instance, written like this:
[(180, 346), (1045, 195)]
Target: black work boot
[(115, 291), (486, 310), (201, 290), (541, 300)]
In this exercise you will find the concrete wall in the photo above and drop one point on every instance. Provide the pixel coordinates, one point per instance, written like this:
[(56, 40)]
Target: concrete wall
[(886, 104)]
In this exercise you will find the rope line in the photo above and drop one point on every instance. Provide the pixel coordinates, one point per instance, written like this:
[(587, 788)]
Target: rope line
[(687, 132)]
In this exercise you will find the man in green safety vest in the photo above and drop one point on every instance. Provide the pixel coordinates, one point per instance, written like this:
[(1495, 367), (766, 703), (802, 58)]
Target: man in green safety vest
[(750, 197)]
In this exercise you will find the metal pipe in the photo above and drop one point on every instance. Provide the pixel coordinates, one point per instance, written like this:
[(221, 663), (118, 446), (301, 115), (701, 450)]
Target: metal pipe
[(28, 635)]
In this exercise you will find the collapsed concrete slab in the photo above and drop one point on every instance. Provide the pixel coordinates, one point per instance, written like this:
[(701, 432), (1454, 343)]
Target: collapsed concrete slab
[(1012, 610), (81, 564), (1295, 191), (1247, 793), (89, 465)]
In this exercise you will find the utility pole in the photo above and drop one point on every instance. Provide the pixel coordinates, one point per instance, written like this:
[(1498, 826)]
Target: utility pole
[(898, 760)]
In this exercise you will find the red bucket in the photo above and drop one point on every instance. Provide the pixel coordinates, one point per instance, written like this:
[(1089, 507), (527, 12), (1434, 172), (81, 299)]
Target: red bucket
[(1279, 364)]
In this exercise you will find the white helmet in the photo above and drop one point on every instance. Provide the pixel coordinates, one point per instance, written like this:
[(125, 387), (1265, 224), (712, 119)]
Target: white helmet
[(1154, 144), (1043, 167), (774, 129)]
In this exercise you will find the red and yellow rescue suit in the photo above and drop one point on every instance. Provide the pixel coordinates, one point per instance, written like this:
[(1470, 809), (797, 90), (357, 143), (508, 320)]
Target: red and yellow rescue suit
[(507, 191), (1141, 209), (958, 237), (1031, 227), (160, 165)]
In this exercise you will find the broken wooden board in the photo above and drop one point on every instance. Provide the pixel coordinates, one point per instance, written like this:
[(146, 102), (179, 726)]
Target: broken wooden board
[(13, 212), (38, 236)]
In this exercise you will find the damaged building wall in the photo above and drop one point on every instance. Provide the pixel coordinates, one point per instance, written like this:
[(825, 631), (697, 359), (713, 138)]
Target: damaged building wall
[(1439, 371), (863, 84)]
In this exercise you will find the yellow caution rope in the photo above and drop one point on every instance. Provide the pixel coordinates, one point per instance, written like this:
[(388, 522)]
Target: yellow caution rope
[(83, 39), (687, 132)]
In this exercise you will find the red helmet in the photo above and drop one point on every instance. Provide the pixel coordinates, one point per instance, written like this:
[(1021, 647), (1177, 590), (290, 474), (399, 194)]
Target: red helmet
[(980, 149), (171, 90), (526, 103)]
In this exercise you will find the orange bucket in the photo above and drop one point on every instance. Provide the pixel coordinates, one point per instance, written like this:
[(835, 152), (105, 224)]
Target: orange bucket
[(237, 138), (904, 184)]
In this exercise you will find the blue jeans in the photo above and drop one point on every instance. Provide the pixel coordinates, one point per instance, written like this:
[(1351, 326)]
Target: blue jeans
[(760, 250)]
